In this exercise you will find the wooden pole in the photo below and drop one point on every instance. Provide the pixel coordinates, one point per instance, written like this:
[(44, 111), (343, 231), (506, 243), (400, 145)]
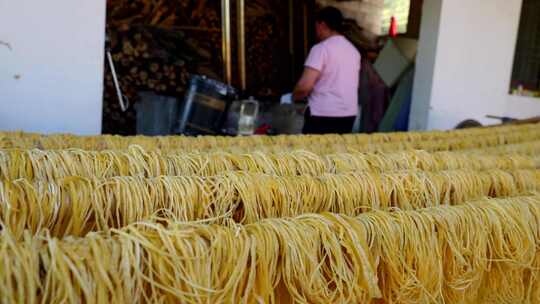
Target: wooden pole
[(291, 40), (241, 22), (226, 39), (306, 28)]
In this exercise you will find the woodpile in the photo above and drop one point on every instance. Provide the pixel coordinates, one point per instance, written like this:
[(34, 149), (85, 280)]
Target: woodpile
[(267, 47), (156, 45)]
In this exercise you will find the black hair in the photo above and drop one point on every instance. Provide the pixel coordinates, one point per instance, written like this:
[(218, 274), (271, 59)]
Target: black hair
[(332, 17)]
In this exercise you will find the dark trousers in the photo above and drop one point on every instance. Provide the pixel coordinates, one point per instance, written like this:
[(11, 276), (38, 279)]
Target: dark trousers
[(327, 125)]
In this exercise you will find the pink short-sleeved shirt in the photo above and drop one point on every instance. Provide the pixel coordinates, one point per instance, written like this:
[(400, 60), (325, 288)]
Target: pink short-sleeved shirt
[(336, 92)]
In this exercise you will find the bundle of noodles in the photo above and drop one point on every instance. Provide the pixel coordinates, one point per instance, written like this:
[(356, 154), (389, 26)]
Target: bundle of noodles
[(63, 141), (20, 267), (75, 206), (52, 165), (426, 256), (92, 270), (422, 160), (324, 147), (525, 148), (441, 255), (194, 263), (321, 144)]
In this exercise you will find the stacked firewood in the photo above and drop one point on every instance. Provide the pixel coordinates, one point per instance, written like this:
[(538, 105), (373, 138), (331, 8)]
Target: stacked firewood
[(155, 46), (267, 47)]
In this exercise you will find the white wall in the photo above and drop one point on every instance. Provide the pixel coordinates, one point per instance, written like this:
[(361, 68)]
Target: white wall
[(522, 107), (52, 78), (473, 63)]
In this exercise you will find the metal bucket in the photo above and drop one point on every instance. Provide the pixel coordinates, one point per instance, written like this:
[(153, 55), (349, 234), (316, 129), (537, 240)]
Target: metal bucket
[(156, 115)]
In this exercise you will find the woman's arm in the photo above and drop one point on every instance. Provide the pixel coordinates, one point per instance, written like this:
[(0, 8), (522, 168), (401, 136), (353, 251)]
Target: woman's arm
[(306, 83)]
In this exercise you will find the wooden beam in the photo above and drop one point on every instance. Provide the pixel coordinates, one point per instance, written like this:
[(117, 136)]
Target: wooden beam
[(226, 39)]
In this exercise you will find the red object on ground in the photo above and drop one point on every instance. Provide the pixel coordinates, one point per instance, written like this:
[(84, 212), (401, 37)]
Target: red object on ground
[(393, 32), (262, 130)]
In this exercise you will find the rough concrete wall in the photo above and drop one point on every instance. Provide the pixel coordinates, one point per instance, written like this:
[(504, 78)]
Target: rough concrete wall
[(367, 13)]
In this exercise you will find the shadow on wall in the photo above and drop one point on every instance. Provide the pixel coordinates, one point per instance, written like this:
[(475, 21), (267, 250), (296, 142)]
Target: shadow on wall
[(6, 44)]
